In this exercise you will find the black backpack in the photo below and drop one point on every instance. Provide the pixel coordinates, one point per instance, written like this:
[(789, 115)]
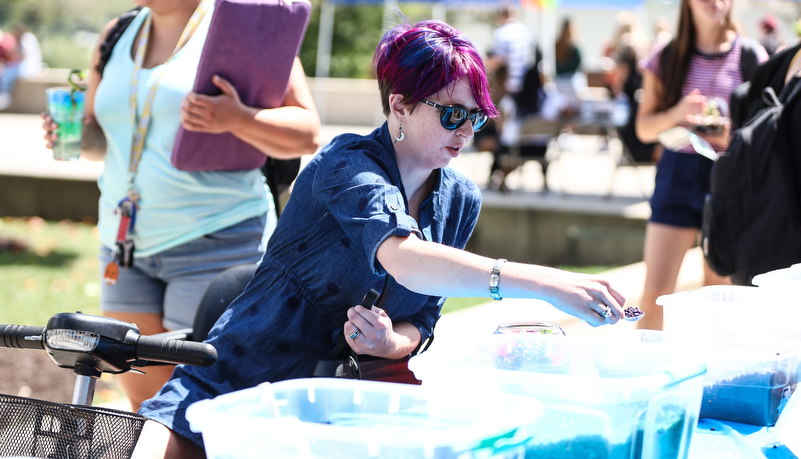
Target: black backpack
[(751, 222), (280, 173)]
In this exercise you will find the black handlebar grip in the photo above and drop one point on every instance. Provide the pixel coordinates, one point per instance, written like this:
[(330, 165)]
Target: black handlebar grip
[(175, 351), (14, 336)]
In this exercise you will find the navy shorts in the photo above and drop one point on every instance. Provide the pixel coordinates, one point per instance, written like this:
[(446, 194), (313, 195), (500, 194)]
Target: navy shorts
[(682, 183)]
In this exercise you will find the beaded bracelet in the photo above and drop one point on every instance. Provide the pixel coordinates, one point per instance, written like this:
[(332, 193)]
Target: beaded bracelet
[(495, 279)]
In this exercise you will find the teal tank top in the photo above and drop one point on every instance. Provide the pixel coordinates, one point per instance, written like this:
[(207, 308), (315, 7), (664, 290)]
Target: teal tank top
[(175, 206)]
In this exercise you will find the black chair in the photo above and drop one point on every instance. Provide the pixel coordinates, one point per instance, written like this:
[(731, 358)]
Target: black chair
[(222, 290), (219, 294)]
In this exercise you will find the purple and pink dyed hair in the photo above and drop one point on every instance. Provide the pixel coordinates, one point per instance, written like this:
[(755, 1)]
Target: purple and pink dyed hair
[(418, 60)]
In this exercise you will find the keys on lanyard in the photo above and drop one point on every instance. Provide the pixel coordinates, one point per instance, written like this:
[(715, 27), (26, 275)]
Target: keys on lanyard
[(122, 255)]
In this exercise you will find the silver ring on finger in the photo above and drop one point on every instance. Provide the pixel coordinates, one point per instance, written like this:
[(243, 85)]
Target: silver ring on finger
[(355, 334), (605, 313)]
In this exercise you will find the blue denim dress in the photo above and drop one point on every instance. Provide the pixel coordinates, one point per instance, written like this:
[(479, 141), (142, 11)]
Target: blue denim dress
[(320, 261)]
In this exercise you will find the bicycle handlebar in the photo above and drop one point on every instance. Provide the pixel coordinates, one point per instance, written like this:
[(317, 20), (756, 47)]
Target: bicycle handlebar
[(19, 336), (103, 345), (169, 350)]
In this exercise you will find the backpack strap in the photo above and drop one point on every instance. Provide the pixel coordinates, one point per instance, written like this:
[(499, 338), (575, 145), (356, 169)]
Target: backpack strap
[(748, 57), (113, 35)]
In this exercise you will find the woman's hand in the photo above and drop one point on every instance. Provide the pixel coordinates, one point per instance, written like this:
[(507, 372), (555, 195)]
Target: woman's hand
[(284, 132), (51, 129), (690, 107), (723, 138), (212, 114), (586, 297), (93, 141), (372, 329)]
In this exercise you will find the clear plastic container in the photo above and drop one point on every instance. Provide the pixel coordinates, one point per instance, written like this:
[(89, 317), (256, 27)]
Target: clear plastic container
[(714, 440), (731, 310), (341, 418), (600, 399), (747, 380)]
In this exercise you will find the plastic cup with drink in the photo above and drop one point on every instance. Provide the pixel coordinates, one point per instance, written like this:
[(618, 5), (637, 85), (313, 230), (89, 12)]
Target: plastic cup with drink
[(66, 106)]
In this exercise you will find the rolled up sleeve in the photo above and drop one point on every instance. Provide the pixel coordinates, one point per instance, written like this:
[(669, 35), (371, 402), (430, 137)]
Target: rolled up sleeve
[(359, 192)]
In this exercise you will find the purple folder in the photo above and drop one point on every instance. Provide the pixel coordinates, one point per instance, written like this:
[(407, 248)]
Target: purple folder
[(252, 44)]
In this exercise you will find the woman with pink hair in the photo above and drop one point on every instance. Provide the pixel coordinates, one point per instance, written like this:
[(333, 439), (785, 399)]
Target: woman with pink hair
[(382, 211)]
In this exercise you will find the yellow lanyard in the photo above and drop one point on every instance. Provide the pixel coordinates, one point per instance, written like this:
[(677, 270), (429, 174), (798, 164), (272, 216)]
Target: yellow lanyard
[(142, 122)]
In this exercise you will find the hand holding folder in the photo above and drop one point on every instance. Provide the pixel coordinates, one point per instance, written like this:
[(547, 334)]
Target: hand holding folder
[(252, 44)]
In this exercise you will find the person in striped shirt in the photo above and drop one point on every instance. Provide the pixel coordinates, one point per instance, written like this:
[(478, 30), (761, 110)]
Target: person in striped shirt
[(684, 82)]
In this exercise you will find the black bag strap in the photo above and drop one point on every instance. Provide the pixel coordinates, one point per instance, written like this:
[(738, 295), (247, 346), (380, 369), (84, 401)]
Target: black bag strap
[(344, 363), (113, 36), (373, 298), (748, 58)]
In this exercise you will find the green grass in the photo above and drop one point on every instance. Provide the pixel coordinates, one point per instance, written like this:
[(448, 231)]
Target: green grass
[(57, 272)]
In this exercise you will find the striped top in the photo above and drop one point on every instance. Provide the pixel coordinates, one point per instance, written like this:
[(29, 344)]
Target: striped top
[(716, 75)]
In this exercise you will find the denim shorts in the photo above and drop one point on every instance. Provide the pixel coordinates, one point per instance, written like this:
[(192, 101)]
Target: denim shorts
[(172, 282), (681, 185)]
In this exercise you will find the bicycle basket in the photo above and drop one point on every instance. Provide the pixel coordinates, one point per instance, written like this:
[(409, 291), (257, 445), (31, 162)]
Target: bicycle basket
[(36, 428)]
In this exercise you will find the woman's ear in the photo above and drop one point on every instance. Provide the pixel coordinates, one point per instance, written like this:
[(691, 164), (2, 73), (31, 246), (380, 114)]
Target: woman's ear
[(396, 106)]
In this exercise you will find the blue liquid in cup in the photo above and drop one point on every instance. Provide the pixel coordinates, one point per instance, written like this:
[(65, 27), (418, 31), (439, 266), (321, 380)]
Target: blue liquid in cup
[(66, 107)]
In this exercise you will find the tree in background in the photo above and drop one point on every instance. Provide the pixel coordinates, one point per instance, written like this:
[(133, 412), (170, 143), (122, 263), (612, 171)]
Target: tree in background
[(68, 29)]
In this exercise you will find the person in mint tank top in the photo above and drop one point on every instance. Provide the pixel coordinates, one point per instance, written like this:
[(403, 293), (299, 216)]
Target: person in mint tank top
[(184, 227), (687, 82), (382, 211)]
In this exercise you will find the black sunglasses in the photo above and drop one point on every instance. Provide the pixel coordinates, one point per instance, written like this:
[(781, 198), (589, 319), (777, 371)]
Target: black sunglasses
[(452, 117)]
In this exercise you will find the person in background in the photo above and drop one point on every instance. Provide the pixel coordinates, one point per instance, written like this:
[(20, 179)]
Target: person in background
[(569, 78), (776, 73), (27, 64), (796, 26), (512, 48), (512, 55), (9, 62), (624, 52), (662, 31), (189, 226), (679, 81), (381, 211), (771, 38), (31, 62)]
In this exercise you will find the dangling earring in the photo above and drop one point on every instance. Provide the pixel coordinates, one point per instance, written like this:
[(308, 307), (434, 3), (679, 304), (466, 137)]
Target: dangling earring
[(400, 136)]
